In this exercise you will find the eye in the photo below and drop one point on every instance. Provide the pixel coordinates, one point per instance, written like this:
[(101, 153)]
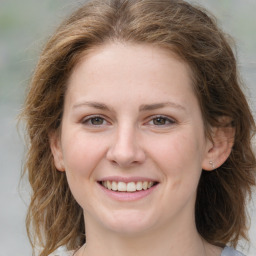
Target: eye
[(94, 121), (161, 121)]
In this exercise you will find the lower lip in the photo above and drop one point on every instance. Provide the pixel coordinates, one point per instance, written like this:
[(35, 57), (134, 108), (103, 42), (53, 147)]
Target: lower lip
[(128, 196)]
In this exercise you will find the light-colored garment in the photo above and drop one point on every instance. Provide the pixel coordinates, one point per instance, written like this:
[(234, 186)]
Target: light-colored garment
[(227, 251), (62, 252)]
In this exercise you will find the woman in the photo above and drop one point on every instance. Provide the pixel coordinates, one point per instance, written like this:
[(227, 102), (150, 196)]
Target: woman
[(140, 136)]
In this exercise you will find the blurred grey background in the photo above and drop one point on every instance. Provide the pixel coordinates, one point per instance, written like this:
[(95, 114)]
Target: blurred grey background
[(24, 28)]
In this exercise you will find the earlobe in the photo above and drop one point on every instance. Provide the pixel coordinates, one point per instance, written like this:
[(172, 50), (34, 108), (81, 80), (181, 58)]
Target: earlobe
[(55, 145), (220, 147)]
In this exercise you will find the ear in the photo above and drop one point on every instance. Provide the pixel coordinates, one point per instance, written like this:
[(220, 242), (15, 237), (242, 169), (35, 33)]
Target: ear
[(219, 148), (56, 149)]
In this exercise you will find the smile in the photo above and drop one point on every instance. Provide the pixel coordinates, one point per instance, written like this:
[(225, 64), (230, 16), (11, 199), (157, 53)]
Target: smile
[(127, 187)]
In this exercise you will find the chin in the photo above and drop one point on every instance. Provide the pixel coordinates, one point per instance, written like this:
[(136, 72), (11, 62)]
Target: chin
[(129, 222)]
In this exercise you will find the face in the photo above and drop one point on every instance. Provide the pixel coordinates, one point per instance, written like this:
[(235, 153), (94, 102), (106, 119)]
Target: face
[(132, 140)]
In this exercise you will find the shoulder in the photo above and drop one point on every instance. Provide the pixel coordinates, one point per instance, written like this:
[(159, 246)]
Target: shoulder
[(228, 251)]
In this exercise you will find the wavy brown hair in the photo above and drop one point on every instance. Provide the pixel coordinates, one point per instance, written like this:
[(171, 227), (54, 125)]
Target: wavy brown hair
[(54, 218)]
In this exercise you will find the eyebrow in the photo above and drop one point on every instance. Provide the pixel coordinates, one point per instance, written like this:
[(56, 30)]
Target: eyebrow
[(161, 105), (92, 104), (142, 108)]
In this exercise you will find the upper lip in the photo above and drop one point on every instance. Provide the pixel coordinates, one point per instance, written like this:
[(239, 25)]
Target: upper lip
[(127, 179)]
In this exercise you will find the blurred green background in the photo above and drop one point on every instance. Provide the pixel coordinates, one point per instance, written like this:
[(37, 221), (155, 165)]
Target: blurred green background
[(24, 28)]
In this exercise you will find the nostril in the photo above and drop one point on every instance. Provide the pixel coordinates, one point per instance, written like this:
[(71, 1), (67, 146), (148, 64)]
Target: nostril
[(125, 151)]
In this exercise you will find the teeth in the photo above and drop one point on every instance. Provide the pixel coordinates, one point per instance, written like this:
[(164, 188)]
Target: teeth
[(114, 186), (127, 187), (150, 184), (145, 185), (109, 185), (131, 187), (139, 185), (121, 186)]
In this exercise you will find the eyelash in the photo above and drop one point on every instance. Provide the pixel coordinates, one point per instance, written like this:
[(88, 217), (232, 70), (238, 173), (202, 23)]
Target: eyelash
[(88, 120), (167, 121)]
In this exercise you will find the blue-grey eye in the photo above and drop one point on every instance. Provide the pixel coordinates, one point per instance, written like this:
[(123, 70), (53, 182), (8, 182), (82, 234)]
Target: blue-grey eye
[(96, 120)]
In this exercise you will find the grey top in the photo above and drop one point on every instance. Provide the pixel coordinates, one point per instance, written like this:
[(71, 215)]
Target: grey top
[(227, 251)]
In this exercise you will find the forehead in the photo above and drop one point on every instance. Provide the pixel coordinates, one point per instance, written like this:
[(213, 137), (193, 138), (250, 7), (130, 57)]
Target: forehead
[(120, 69), (127, 60)]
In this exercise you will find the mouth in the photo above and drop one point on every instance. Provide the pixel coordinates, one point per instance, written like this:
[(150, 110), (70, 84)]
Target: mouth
[(120, 186)]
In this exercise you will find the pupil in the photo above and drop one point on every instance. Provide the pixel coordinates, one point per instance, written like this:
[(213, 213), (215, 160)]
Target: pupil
[(159, 121), (97, 120)]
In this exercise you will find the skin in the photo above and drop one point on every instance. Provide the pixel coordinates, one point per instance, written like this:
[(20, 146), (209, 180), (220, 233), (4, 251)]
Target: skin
[(112, 127)]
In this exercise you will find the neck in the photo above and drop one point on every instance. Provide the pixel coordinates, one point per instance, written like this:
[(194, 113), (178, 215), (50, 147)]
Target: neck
[(166, 241)]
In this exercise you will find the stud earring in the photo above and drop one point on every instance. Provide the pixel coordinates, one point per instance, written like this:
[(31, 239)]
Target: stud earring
[(212, 164)]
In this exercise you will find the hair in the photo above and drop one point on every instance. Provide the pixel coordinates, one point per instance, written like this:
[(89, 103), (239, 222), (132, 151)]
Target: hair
[(54, 218)]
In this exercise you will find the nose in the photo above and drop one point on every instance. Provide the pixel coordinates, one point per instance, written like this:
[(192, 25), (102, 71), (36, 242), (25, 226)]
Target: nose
[(125, 150)]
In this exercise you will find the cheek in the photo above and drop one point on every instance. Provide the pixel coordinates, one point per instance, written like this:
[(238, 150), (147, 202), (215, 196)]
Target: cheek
[(180, 158), (81, 154)]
